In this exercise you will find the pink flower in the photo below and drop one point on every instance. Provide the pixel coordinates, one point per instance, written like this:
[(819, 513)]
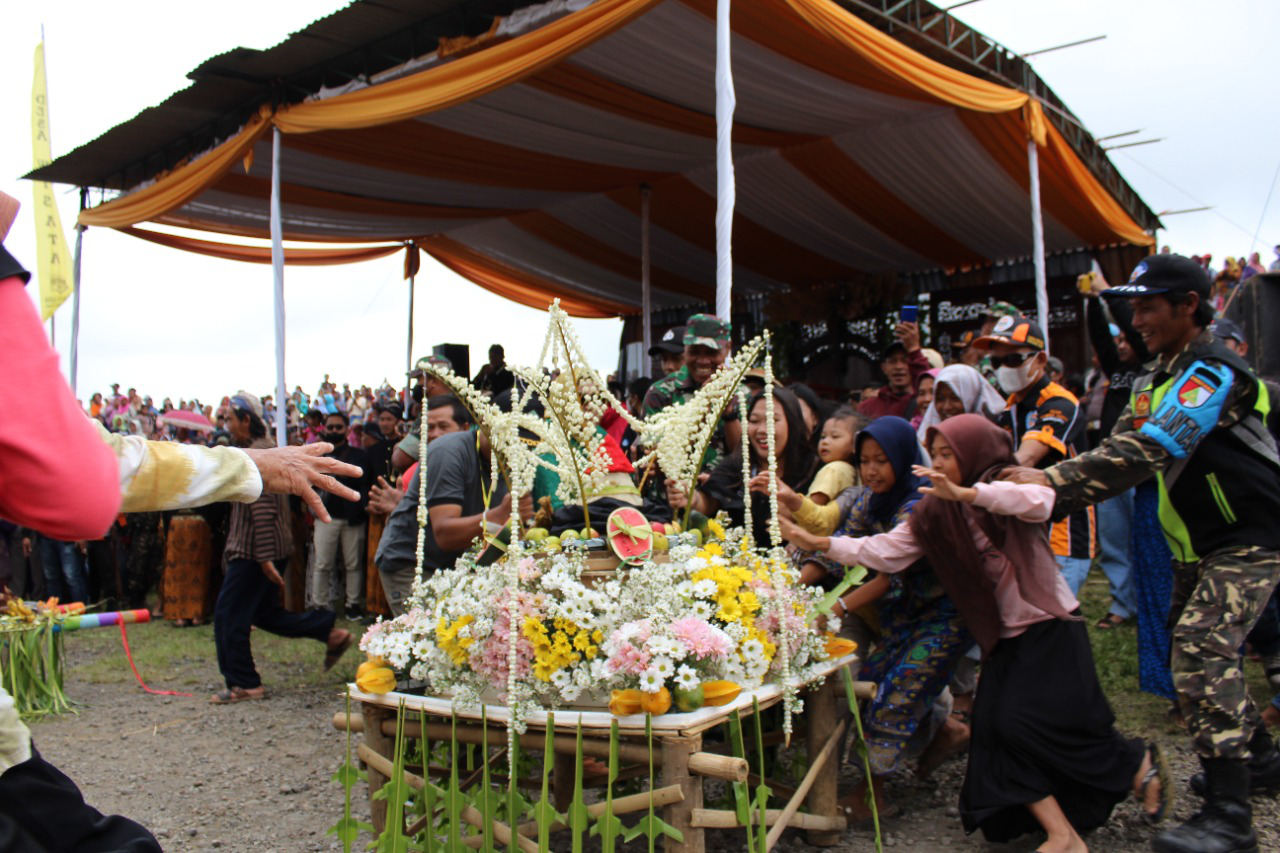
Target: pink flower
[(628, 659), (701, 638)]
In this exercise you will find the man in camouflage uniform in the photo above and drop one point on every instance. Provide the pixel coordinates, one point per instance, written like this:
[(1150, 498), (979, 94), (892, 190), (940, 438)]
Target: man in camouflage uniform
[(1196, 423), (706, 346)]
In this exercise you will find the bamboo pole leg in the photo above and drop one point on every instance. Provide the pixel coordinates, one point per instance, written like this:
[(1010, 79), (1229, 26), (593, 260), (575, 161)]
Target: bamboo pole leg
[(380, 743), (675, 771), (821, 712), (562, 770)]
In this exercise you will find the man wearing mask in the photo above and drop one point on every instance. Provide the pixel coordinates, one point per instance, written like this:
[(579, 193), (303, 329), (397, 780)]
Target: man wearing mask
[(1195, 423), (1047, 427), (346, 531)]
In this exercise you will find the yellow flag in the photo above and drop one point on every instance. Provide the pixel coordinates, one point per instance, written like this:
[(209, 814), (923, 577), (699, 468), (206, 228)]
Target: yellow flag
[(53, 260)]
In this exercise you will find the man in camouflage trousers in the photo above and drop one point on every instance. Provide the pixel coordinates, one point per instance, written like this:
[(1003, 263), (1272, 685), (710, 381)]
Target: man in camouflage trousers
[(1197, 424)]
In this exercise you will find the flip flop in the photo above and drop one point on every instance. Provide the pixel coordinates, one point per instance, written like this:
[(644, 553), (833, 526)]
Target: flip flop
[(232, 695), (1159, 769), (1111, 620), (334, 654)]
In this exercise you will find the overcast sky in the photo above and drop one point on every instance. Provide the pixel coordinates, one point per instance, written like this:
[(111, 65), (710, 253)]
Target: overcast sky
[(181, 325)]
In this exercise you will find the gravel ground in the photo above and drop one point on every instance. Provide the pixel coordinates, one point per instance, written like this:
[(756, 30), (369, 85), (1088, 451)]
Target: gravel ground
[(256, 777)]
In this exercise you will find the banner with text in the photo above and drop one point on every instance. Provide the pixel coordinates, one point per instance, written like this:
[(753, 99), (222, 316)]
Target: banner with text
[(53, 259)]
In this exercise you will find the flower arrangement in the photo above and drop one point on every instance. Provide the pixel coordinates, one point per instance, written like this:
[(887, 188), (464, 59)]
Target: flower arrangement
[(712, 613)]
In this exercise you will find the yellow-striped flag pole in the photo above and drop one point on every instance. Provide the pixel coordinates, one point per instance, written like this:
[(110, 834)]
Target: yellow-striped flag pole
[(53, 259)]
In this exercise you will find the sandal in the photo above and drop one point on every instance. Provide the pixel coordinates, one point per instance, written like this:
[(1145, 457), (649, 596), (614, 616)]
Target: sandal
[(1111, 620), (231, 695), (334, 653), (1158, 771)]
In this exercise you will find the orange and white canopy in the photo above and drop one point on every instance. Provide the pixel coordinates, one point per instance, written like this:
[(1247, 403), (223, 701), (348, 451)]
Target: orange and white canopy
[(518, 158)]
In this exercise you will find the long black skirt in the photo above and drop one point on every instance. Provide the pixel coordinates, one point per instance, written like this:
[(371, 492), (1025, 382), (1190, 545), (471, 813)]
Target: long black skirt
[(1042, 727)]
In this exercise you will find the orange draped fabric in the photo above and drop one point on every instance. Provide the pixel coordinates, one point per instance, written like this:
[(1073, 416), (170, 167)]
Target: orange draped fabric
[(465, 78), (176, 188), (262, 254), (517, 285)]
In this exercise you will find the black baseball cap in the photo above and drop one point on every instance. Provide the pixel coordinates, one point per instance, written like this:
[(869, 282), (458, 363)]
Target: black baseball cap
[(394, 408), (1159, 274), (672, 342), (1018, 331), (1227, 329)]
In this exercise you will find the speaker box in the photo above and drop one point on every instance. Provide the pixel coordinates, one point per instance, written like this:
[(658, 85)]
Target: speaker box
[(1256, 309), (459, 356)]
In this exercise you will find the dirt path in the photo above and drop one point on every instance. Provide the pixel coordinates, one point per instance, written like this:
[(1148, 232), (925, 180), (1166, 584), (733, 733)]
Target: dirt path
[(256, 776)]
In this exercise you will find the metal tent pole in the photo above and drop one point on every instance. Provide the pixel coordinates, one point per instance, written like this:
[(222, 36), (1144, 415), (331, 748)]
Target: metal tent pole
[(646, 303), (725, 187), (277, 269), (1037, 241), (75, 308), (413, 272)]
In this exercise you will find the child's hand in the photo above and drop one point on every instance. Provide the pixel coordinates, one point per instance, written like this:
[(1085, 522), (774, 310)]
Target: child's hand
[(943, 487), (798, 536)]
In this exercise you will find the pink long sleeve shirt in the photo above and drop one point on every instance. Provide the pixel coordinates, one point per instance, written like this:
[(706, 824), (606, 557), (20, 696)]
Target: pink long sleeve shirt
[(897, 550), (56, 475)]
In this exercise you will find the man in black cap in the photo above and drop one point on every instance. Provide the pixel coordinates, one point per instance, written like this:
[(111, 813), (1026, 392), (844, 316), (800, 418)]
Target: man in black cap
[(902, 363), (669, 351), (1196, 424)]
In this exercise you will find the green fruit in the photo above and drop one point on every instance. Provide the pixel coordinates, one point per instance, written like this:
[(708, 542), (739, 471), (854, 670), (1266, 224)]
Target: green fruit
[(536, 534), (660, 542), (551, 543), (700, 522), (689, 700), (696, 535), (568, 536), (589, 533)]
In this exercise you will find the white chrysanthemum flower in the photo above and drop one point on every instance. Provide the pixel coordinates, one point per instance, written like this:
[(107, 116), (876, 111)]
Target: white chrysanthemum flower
[(686, 678), (703, 609), (705, 588), (651, 681), (561, 678), (664, 666), (694, 564), (753, 649), (684, 589)]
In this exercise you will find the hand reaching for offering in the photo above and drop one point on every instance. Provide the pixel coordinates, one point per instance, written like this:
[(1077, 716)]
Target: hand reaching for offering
[(786, 495), (943, 487), (1025, 476), (801, 538)]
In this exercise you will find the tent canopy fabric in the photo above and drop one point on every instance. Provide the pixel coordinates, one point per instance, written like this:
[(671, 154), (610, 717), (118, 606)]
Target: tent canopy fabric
[(518, 157)]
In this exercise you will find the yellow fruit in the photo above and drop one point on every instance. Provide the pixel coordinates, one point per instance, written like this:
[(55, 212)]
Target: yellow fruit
[(377, 680), (589, 533), (838, 647), (551, 543), (689, 700), (660, 542), (624, 703), (536, 534), (697, 536), (656, 703), (716, 693), (568, 535), (370, 665)]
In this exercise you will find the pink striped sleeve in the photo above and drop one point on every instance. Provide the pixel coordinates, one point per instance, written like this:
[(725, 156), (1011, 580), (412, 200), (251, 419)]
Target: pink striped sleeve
[(56, 475)]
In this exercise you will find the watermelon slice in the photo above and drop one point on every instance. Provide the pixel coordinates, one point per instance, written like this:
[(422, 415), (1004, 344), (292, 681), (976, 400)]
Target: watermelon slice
[(629, 535)]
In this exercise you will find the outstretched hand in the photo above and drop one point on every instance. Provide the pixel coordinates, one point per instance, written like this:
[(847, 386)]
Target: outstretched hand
[(801, 538), (943, 487), (787, 496), (301, 470)]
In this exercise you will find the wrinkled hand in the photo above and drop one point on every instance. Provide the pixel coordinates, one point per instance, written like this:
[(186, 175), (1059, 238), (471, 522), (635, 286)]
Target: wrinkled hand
[(675, 495), (384, 497), (1025, 476), (942, 486), (296, 470), (909, 334)]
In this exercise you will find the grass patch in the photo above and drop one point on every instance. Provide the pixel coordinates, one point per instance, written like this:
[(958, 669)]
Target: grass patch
[(179, 658), (1115, 653)]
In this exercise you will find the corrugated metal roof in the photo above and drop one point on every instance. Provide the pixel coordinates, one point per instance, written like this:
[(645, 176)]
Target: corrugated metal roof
[(364, 38)]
